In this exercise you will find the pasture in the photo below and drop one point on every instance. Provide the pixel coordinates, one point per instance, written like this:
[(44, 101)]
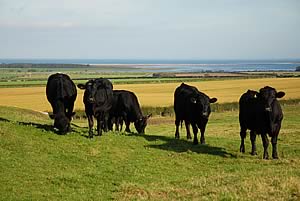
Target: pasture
[(37, 164), (157, 94)]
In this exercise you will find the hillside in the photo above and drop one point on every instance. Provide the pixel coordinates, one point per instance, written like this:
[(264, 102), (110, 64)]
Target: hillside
[(37, 164)]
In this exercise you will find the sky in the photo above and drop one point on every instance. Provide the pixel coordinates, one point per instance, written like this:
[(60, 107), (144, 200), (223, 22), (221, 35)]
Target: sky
[(150, 29)]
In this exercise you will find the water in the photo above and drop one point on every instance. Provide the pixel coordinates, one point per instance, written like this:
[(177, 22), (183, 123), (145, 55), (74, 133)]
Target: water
[(176, 65)]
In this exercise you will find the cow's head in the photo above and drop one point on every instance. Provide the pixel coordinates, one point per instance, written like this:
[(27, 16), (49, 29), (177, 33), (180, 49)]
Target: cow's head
[(90, 88), (268, 95), (61, 122), (141, 124), (202, 104)]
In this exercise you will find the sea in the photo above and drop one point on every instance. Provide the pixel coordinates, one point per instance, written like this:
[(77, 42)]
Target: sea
[(169, 65)]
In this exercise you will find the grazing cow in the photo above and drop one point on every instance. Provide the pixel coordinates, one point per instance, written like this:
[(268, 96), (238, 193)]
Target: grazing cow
[(98, 98), (260, 112), (61, 93), (127, 108), (115, 115), (193, 107)]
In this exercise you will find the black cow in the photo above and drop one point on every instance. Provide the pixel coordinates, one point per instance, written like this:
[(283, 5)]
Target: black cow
[(115, 115), (193, 107), (127, 108), (61, 93), (260, 112), (98, 97)]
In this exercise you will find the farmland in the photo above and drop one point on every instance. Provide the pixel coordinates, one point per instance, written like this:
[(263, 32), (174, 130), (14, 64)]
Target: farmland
[(37, 164), (157, 94)]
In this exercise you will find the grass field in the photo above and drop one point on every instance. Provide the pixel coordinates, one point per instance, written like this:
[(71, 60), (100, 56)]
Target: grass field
[(158, 94), (37, 164)]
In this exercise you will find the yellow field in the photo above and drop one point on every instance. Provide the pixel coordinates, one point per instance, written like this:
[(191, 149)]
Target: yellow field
[(156, 94)]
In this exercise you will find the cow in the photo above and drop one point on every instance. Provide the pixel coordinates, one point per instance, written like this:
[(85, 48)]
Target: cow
[(98, 97), (61, 93), (114, 114), (192, 107), (260, 112), (127, 108)]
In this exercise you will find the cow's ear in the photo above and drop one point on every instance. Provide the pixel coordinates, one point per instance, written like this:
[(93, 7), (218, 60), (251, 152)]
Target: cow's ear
[(52, 116), (280, 94), (193, 100), (213, 100), (81, 86)]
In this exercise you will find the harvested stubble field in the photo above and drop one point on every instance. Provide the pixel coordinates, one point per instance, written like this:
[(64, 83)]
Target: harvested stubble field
[(157, 94)]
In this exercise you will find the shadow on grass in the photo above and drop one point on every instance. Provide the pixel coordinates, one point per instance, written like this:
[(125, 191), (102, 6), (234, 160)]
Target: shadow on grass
[(4, 120), (45, 127), (180, 146)]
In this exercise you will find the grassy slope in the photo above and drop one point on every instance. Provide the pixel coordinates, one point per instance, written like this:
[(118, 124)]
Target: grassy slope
[(36, 164)]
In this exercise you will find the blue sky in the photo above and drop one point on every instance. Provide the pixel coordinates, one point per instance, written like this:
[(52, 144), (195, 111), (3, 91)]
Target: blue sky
[(150, 29)]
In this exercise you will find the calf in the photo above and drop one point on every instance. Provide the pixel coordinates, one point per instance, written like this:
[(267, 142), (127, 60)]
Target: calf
[(127, 108), (193, 107), (61, 93), (98, 97), (260, 112)]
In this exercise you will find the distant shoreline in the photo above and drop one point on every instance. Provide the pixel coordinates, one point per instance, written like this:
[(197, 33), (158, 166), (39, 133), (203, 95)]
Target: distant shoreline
[(167, 67)]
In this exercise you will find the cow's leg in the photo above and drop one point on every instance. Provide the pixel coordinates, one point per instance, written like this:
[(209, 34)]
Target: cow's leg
[(99, 125), (243, 136), (127, 124), (253, 142), (91, 125), (188, 132), (105, 122), (177, 122), (70, 108), (117, 123), (195, 131), (202, 126), (202, 139), (121, 123), (265, 141), (274, 147)]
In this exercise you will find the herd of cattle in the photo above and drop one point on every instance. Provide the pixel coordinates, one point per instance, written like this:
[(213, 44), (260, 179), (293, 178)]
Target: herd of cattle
[(260, 112)]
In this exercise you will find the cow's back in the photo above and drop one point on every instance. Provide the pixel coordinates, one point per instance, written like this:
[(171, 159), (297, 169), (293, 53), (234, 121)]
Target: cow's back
[(128, 103), (104, 96), (60, 87), (182, 100)]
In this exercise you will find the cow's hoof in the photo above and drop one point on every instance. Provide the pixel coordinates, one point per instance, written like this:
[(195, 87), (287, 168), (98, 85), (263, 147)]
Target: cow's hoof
[(202, 141), (195, 142), (242, 149), (188, 137), (275, 156), (266, 157), (253, 153)]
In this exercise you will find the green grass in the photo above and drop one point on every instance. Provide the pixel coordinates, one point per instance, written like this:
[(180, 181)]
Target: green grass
[(37, 164)]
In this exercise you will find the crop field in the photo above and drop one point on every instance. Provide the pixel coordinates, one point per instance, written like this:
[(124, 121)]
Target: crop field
[(157, 94), (37, 164)]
